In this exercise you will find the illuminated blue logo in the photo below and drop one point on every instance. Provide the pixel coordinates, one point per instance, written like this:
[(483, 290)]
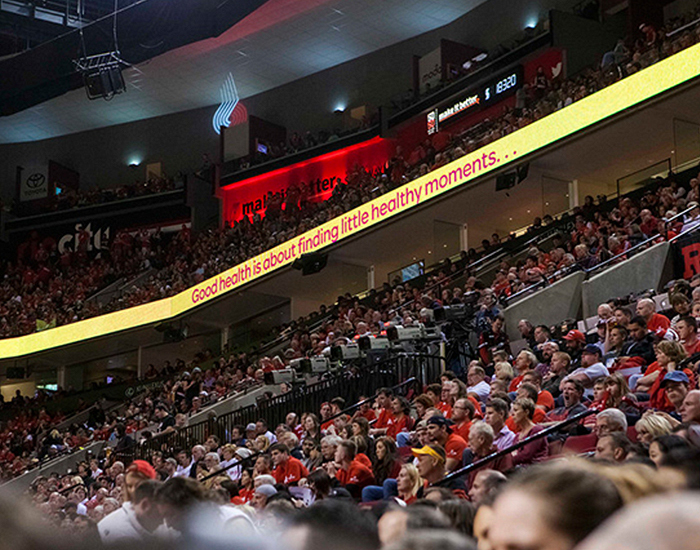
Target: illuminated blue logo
[(229, 100)]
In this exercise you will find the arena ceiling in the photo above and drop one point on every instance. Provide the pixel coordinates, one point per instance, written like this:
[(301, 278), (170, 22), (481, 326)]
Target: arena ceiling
[(282, 41)]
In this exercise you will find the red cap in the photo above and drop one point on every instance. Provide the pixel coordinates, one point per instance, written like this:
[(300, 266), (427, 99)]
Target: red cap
[(575, 335), (143, 468)]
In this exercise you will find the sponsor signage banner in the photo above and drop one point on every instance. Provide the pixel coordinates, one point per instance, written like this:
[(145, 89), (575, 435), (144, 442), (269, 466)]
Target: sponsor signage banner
[(430, 70), (315, 179), (564, 123), (490, 93), (34, 184), (686, 256)]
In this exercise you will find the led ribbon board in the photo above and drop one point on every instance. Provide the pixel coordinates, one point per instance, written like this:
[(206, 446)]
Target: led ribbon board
[(229, 100), (566, 122)]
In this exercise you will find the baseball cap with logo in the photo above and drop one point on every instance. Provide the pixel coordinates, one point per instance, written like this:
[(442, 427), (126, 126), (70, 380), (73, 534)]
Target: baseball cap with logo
[(575, 335)]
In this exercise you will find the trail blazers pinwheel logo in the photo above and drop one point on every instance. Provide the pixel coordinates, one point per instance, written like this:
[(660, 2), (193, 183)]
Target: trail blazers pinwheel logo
[(229, 100)]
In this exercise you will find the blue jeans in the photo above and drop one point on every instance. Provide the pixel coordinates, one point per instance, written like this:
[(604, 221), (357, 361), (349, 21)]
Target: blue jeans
[(372, 493)]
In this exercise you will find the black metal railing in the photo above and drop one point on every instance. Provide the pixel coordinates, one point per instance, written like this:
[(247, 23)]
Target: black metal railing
[(399, 389), (519, 445), (350, 385)]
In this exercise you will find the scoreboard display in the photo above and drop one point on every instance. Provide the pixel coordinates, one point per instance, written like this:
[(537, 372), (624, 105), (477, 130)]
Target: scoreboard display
[(495, 90)]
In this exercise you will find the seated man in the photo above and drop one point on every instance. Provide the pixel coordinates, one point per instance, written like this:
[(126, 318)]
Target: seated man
[(485, 484), (440, 432), (288, 470), (676, 384), (137, 520), (590, 370), (613, 447), (496, 415), (544, 400), (462, 415), (350, 472), (656, 323), (480, 446), (431, 467), (690, 410), (478, 386), (610, 421), (558, 370), (572, 394)]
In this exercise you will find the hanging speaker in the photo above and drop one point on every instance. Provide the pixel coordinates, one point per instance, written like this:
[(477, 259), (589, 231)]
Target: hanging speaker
[(311, 263), (104, 82)]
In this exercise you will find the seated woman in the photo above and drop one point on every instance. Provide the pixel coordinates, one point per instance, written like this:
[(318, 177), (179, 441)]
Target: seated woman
[(654, 424), (619, 395), (522, 412), (386, 464), (405, 487), (669, 355)]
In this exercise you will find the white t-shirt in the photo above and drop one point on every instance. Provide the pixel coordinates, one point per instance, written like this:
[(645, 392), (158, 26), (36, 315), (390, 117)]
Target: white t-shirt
[(593, 372), (482, 389), (122, 525)]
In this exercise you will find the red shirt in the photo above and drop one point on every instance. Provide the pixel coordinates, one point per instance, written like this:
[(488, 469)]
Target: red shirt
[(290, 471), (545, 399), (658, 324), (462, 429), (515, 383), (445, 409), (397, 426), (454, 447), (691, 349), (477, 407), (357, 474), (246, 495), (369, 414), (385, 415)]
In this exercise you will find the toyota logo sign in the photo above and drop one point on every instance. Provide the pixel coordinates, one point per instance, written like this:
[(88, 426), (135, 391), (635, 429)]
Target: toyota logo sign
[(36, 180), (36, 186)]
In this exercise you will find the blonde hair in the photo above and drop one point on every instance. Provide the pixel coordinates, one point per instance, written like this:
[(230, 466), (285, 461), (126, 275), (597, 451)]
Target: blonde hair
[(263, 441), (654, 424), (672, 349), (531, 357), (229, 447), (505, 368), (413, 474)]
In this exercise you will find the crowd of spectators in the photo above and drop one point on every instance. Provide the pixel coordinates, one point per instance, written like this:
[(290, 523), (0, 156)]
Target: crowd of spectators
[(70, 198), (298, 142), (598, 232), (46, 289), (394, 463), (32, 436), (380, 475), (639, 368)]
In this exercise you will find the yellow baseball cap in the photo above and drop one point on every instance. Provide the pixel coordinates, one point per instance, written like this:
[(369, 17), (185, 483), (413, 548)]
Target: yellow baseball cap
[(431, 450)]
